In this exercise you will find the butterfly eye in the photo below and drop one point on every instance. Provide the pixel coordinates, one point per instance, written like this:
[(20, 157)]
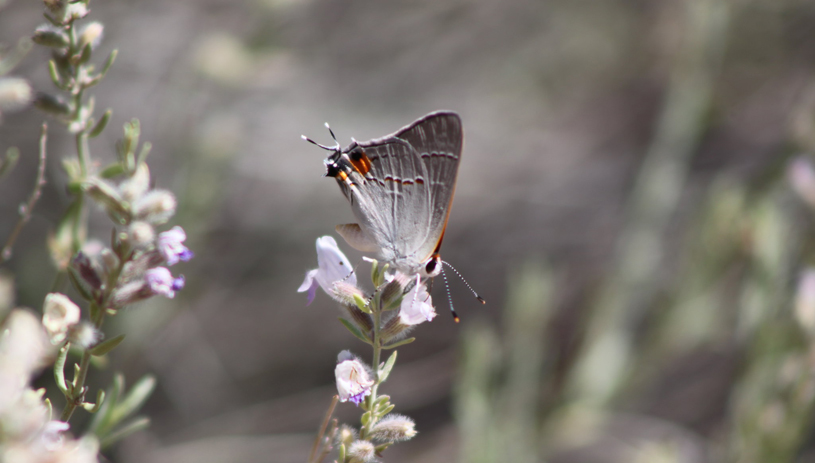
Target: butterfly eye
[(332, 170), (432, 268)]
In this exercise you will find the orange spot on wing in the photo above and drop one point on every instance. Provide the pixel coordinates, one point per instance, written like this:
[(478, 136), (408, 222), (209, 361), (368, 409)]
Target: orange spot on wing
[(360, 162)]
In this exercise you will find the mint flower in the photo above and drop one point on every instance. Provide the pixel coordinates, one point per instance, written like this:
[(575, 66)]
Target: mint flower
[(353, 381), (60, 314), (417, 306), (169, 244), (162, 282), (333, 266)]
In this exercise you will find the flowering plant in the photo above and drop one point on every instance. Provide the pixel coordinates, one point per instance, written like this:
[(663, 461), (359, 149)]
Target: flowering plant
[(106, 278), (382, 320)]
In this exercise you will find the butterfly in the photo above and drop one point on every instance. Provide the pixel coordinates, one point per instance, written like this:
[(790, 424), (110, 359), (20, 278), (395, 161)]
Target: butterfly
[(401, 188)]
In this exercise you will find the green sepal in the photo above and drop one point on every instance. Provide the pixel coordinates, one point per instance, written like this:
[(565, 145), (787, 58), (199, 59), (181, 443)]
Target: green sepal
[(382, 447), (104, 347), (145, 150), (49, 407), (93, 408), (355, 331), (108, 63), (100, 126), (85, 54), (341, 453), (54, 73), (136, 424), (78, 285), (114, 170), (398, 343), (387, 409), (386, 369), (59, 369), (362, 304)]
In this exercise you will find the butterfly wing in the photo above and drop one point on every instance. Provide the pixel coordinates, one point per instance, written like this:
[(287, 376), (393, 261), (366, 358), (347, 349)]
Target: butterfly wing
[(404, 202)]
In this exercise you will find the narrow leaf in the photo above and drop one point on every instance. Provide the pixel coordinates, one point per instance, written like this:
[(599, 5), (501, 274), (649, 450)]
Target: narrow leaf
[(399, 343), (106, 346), (355, 331)]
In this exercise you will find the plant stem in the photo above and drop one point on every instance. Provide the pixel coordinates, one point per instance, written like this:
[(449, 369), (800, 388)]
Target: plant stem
[(25, 209)]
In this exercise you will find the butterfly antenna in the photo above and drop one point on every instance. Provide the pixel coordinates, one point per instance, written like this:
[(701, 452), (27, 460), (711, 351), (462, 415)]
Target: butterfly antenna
[(449, 297), (336, 147), (332, 134), (480, 299)]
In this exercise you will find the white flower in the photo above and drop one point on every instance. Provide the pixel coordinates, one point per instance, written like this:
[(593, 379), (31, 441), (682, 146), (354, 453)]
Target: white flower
[(59, 314), (23, 347), (353, 380), (417, 306), (333, 266)]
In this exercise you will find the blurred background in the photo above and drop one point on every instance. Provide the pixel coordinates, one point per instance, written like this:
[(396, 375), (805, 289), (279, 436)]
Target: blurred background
[(625, 204)]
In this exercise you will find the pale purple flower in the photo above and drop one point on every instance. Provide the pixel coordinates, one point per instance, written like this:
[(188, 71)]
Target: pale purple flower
[(333, 266), (353, 380), (170, 246), (51, 434), (417, 306), (161, 281)]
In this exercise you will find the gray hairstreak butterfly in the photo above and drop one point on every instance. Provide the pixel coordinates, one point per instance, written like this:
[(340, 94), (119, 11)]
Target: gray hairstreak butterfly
[(401, 188)]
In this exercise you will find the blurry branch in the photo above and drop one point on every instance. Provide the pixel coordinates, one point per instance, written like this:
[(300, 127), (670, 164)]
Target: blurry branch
[(322, 445), (630, 292), (28, 206), (501, 420)]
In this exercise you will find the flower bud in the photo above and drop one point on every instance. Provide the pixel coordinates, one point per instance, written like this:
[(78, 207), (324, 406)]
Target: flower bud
[(84, 268), (346, 435), (155, 207), (346, 293), (130, 293), (52, 104), (109, 259), (394, 428), (91, 34), (362, 319), (137, 185), (141, 234), (393, 292), (59, 315), (15, 93), (107, 196), (50, 36), (361, 451), (84, 334)]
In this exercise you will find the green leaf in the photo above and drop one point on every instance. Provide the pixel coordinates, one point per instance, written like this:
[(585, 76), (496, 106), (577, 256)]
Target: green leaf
[(134, 399), (113, 170), (102, 420), (398, 343), (93, 408), (106, 346), (137, 424), (385, 410), (366, 417), (59, 369), (145, 150), (386, 370), (100, 126), (355, 331)]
